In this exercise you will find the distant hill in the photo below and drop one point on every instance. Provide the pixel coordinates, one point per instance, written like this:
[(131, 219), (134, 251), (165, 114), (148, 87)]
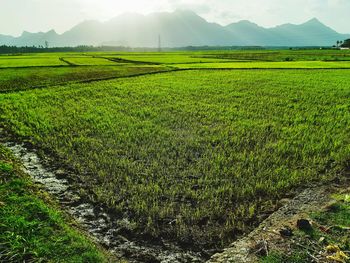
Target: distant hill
[(308, 34), (180, 28), (248, 33)]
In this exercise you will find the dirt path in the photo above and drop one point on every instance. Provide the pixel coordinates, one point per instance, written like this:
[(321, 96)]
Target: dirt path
[(268, 232), (67, 62)]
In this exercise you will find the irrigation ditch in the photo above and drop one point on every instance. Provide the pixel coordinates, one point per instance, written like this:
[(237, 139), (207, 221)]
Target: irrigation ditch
[(113, 233)]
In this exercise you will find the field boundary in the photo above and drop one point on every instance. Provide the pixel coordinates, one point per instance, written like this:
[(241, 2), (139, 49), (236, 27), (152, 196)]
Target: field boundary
[(67, 62), (310, 200), (25, 67), (170, 69), (136, 62), (213, 69), (172, 65), (87, 81)]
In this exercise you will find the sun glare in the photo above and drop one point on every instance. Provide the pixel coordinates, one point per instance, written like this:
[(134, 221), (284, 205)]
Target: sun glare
[(104, 9)]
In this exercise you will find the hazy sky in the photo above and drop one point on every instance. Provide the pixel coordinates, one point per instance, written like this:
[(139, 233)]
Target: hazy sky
[(61, 15)]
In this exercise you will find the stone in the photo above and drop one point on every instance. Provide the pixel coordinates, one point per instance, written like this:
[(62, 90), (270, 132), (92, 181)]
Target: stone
[(286, 232), (304, 224)]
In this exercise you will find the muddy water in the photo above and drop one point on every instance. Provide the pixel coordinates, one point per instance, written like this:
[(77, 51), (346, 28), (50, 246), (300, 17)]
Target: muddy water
[(102, 226)]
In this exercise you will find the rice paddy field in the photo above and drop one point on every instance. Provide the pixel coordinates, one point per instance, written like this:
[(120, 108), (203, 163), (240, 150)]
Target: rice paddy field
[(30, 61), (195, 148)]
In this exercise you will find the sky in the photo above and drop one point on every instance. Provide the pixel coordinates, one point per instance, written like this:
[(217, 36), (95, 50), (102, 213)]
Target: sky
[(61, 15)]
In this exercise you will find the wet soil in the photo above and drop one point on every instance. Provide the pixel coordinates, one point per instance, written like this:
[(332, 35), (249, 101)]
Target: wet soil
[(115, 232), (107, 229)]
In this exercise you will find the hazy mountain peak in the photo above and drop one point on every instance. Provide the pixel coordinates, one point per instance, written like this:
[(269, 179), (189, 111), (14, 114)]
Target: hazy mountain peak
[(184, 11), (245, 22), (87, 23), (29, 34), (189, 16), (314, 21), (316, 24), (51, 32), (26, 33), (182, 27)]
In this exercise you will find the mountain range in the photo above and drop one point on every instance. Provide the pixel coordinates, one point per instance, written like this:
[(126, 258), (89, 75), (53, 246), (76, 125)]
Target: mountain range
[(178, 29)]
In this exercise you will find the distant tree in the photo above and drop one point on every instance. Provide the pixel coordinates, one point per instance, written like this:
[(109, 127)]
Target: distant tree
[(346, 43), (46, 44), (33, 49)]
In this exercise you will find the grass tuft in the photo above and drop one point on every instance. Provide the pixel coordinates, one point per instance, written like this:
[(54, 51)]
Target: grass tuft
[(33, 230)]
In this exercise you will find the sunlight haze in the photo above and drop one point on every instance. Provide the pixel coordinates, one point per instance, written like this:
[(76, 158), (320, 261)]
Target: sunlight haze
[(17, 16)]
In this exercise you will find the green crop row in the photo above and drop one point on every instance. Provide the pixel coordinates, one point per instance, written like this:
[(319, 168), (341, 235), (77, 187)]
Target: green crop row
[(199, 156), (14, 79), (268, 65), (106, 58)]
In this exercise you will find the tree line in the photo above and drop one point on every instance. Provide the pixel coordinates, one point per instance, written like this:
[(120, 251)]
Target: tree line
[(346, 43), (41, 49), (33, 49)]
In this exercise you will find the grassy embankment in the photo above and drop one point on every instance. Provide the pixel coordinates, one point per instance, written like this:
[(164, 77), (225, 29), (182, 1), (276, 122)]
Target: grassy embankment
[(32, 229), (327, 241)]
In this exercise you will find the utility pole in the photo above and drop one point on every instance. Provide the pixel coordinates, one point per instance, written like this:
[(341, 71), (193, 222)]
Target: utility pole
[(159, 44)]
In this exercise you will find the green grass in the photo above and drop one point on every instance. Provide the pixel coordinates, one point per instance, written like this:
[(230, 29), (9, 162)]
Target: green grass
[(31, 227), (30, 61), (336, 218), (27, 78), (267, 65), (164, 58), (90, 61), (280, 55), (209, 151), (296, 257), (227, 56), (186, 57)]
